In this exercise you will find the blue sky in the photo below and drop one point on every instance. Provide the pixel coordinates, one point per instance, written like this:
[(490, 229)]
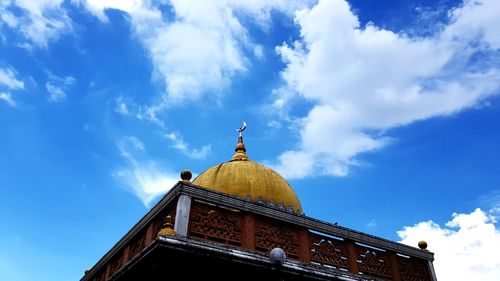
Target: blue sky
[(383, 116)]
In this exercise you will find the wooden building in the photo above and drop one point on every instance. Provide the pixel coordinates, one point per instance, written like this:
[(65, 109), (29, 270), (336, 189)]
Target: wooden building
[(224, 224)]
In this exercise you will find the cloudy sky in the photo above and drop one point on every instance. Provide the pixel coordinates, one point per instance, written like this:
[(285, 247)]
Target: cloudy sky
[(383, 116)]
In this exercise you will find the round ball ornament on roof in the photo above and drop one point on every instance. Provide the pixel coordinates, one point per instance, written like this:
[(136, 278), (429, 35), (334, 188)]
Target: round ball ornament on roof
[(277, 256), (186, 175), (245, 178), (422, 245)]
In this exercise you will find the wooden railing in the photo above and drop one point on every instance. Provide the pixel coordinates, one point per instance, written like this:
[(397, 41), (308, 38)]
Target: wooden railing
[(212, 223), (256, 229)]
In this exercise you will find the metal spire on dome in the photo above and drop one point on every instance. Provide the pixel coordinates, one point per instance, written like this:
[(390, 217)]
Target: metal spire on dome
[(241, 152)]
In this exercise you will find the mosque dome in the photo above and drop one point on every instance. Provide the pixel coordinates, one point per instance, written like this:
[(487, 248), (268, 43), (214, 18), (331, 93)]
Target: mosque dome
[(245, 178)]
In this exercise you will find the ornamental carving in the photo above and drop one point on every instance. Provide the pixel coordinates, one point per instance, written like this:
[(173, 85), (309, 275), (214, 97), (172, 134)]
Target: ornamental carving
[(137, 245), (269, 235), (101, 276), (328, 251), (212, 223), (373, 262), (412, 270), (116, 264)]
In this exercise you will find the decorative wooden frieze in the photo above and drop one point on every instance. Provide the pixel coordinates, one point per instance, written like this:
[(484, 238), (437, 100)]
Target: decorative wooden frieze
[(137, 245), (115, 264), (373, 262), (328, 251), (100, 276), (270, 234), (215, 224), (412, 269)]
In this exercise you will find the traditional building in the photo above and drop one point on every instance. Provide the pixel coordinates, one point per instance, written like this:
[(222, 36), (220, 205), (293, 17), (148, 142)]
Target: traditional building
[(240, 220)]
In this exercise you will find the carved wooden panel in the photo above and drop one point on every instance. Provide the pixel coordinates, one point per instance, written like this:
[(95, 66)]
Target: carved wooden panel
[(116, 263), (271, 234), (100, 276), (328, 251), (373, 262), (216, 224), (137, 245), (413, 269)]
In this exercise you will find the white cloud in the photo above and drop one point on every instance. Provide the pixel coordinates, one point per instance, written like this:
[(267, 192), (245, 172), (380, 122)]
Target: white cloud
[(491, 200), (9, 80), (371, 224), (476, 20), (258, 51), (143, 178), (180, 145), (466, 248), (198, 46), (274, 124), (146, 181), (55, 93), (126, 107), (7, 98), (197, 54), (121, 106), (364, 80), (135, 142), (37, 21), (57, 87), (98, 7)]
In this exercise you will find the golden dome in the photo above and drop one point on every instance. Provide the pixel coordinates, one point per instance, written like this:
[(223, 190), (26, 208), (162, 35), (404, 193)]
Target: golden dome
[(243, 177)]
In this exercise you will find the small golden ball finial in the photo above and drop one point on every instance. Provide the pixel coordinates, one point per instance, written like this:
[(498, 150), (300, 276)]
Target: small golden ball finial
[(422, 245), (186, 175)]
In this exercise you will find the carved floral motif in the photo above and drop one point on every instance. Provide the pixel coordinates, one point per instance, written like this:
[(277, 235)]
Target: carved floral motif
[(328, 251), (215, 224), (137, 245), (269, 235), (412, 270), (373, 262)]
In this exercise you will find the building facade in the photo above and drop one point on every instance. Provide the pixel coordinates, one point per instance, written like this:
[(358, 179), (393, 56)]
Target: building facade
[(241, 220)]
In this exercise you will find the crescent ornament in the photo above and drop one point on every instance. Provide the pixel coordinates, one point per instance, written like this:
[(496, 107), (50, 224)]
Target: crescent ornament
[(243, 127)]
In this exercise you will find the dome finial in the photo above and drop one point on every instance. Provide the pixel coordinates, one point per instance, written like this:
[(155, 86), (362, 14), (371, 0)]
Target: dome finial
[(241, 152), (242, 128)]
